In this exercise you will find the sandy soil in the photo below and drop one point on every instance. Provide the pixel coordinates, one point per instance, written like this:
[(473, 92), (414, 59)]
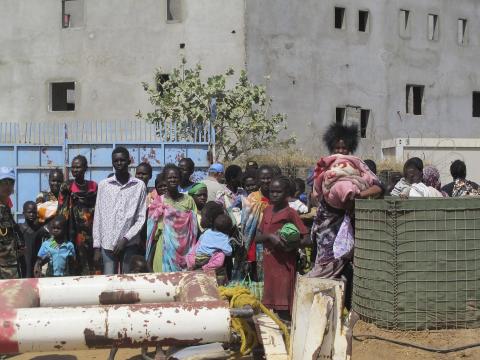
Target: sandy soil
[(123, 354), (375, 349), (362, 350)]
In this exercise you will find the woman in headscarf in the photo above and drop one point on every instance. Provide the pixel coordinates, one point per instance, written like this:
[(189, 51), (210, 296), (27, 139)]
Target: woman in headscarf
[(199, 193), (431, 177)]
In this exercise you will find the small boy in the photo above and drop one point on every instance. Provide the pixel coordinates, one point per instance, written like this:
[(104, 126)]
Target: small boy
[(212, 247), (293, 200), (300, 193), (33, 234), (59, 253)]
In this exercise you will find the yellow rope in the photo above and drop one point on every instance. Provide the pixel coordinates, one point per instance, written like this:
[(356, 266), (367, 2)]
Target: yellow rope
[(240, 297)]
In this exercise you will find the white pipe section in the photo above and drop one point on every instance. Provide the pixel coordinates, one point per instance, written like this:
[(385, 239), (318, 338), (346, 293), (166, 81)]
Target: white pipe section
[(108, 289), (77, 328)]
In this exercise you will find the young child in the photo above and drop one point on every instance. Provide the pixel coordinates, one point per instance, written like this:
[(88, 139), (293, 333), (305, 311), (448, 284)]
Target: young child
[(279, 257), (33, 234), (212, 247), (300, 188), (56, 251), (293, 200), (144, 172)]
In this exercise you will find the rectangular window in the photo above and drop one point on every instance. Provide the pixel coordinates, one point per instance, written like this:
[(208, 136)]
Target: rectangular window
[(476, 104), (363, 21), (364, 116), (432, 27), (414, 99), (404, 21), (339, 17), (62, 96), (339, 115), (72, 13), (174, 10), (160, 79), (462, 31)]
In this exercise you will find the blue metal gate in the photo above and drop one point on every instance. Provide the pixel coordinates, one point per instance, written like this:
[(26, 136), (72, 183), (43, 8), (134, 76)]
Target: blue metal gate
[(33, 149)]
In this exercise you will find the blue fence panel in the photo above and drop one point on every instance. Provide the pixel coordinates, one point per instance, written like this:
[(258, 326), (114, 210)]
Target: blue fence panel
[(34, 149)]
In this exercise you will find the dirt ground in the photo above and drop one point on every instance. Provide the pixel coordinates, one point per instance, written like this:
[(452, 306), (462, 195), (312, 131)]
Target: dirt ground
[(375, 349), (123, 354), (362, 350)]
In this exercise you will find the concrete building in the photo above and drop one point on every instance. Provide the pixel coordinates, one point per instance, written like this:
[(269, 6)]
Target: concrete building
[(400, 68), (86, 59)]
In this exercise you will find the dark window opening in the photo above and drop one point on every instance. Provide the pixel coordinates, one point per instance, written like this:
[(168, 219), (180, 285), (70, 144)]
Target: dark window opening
[(476, 104), (182, 46), (404, 23), (339, 115), (62, 96), (363, 21), (414, 99), (462, 31), (339, 18), (364, 116), (160, 80), (173, 10), (72, 13), (432, 27)]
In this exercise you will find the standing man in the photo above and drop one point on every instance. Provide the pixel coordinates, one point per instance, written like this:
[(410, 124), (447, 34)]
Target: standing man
[(120, 213), (215, 174), (9, 245), (187, 167)]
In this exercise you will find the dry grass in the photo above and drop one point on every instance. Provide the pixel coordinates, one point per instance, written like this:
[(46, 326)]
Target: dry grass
[(389, 165)]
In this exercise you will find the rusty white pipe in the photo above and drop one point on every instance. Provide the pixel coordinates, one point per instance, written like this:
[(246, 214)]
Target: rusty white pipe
[(106, 289), (92, 327)]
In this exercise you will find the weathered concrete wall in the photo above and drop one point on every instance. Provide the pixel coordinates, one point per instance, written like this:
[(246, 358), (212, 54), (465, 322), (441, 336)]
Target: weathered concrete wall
[(118, 47), (315, 68)]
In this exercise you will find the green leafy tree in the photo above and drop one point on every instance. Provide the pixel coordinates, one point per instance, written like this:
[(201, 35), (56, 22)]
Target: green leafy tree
[(243, 123)]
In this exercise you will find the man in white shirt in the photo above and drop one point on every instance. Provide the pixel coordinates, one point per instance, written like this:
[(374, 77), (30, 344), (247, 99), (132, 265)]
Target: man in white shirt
[(215, 174), (120, 212)]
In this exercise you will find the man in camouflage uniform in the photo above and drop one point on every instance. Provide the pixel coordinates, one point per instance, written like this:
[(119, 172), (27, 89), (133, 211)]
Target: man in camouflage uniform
[(8, 232)]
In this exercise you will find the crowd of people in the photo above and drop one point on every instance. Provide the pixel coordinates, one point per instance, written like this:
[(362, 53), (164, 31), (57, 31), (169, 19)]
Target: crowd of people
[(252, 223)]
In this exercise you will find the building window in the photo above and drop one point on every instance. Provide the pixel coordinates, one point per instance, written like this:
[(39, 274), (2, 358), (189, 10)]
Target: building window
[(160, 80), (363, 21), (476, 104), (174, 10), (432, 27), (339, 115), (62, 96), (404, 21), (462, 31), (72, 13), (339, 17), (364, 116), (414, 99)]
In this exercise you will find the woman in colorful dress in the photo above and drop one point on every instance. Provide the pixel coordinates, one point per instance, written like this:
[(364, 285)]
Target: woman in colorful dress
[(175, 229), (76, 202), (248, 257)]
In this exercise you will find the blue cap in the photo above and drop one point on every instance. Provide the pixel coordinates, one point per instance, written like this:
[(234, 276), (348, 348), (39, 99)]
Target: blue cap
[(216, 168), (7, 173)]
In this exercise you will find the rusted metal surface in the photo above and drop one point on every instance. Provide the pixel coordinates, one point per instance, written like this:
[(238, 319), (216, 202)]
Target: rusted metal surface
[(93, 290), (198, 286), (88, 327), (19, 293)]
